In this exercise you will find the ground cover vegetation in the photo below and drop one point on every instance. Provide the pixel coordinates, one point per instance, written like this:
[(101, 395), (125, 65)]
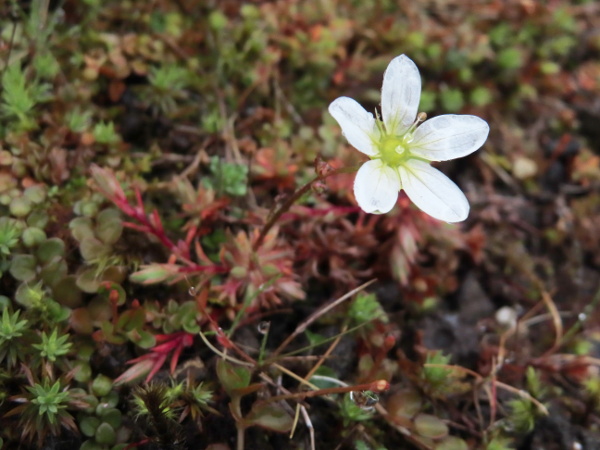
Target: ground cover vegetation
[(187, 262)]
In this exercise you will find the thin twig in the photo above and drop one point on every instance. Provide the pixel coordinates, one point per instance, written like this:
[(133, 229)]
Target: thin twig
[(332, 347), (556, 319), (223, 355), (376, 386), (304, 325), (296, 377), (506, 387), (309, 425)]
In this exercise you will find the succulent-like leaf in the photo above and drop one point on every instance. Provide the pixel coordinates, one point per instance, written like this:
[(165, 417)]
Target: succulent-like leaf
[(22, 267), (232, 377), (269, 415), (430, 426)]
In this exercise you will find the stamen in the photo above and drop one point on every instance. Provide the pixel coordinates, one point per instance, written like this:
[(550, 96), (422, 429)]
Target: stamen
[(377, 116), (420, 118), (379, 123)]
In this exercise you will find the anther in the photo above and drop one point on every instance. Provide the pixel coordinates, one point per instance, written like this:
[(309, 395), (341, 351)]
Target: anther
[(420, 118)]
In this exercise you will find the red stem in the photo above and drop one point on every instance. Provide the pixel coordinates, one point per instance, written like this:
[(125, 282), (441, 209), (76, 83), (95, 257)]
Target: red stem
[(274, 217)]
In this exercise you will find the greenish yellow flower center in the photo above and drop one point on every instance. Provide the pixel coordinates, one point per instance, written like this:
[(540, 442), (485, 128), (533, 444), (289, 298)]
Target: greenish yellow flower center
[(394, 150)]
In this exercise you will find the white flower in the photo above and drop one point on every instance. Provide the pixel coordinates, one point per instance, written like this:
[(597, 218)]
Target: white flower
[(401, 151)]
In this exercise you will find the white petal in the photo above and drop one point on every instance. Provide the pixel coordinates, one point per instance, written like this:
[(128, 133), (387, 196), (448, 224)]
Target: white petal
[(400, 95), (433, 192), (376, 187), (357, 124), (449, 136)]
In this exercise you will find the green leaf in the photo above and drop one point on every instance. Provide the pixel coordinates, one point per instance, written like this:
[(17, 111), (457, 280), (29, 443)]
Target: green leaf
[(23, 267), (534, 383), (315, 339), (88, 281), (480, 96), (28, 295), (54, 271), (452, 443), (131, 320), (16, 97), (321, 383), (109, 226), (142, 338), (112, 416), (405, 403), (105, 133), (430, 426), (81, 228), (169, 77), (50, 249), (270, 416), (88, 425), (500, 443), (33, 236), (510, 58), (523, 414), (350, 411), (232, 377), (66, 292), (105, 434), (452, 100), (93, 249), (366, 308), (78, 121), (228, 177), (154, 273), (102, 385)]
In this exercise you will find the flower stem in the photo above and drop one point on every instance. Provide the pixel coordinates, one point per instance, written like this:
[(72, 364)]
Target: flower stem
[(276, 214)]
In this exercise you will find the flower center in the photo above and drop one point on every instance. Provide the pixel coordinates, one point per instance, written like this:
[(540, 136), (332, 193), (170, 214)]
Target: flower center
[(394, 149)]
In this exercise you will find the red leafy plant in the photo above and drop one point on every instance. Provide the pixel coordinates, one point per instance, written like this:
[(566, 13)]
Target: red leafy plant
[(200, 206), (334, 249), (151, 363), (180, 264), (263, 274)]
